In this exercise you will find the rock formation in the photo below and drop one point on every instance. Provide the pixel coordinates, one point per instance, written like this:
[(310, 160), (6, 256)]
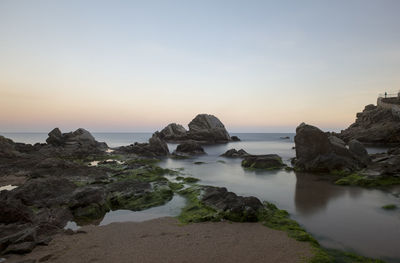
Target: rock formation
[(203, 128), (316, 152), (375, 125), (155, 147)]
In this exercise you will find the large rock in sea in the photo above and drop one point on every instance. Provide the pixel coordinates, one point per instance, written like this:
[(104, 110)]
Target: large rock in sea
[(375, 125), (233, 153), (155, 147), (77, 142), (316, 152), (204, 128), (174, 132)]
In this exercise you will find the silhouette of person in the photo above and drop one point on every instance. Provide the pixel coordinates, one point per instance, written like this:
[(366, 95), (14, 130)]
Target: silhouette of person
[(385, 94)]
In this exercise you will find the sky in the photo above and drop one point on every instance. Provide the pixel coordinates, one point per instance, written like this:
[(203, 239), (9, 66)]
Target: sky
[(259, 66)]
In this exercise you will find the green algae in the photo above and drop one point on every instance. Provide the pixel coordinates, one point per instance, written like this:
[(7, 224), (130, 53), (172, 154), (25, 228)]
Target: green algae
[(365, 181), (390, 207)]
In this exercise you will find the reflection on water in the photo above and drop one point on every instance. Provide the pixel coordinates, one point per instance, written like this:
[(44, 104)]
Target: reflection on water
[(8, 187), (172, 208), (349, 218)]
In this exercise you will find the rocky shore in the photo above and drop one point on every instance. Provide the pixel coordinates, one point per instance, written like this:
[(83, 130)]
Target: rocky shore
[(73, 177)]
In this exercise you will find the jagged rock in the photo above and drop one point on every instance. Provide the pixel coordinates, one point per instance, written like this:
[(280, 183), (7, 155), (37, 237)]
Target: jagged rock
[(269, 161), (12, 210), (79, 142), (233, 153), (174, 132), (189, 148), (237, 208), (7, 148), (375, 125), (155, 147), (315, 152)]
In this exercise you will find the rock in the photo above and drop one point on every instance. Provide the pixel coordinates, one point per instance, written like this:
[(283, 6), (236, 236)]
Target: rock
[(155, 147), (269, 161), (316, 152), (45, 192), (89, 203), (20, 248), (236, 208), (13, 211), (375, 125), (235, 139), (204, 128), (233, 153), (285, 138), (189, 148), (174, 132), (208, 128), (7, 148), (358, 150), (79, 142)]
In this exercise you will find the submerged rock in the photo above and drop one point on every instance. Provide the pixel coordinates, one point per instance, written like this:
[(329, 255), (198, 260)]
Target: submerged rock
[(269, 161), (316, 152), (233, 153), (235, 138)]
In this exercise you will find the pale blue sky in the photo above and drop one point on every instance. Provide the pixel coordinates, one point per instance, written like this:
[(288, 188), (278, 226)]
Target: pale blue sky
[(136, 66)]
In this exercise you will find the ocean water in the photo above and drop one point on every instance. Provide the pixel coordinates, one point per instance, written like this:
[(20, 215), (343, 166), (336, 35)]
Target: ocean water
[(342, 217)]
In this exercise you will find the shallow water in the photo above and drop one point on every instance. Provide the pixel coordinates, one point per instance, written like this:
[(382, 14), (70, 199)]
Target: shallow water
[(349, 218), (8, 187)]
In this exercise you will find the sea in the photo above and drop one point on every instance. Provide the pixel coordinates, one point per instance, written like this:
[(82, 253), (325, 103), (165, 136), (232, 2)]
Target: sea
[(339, 217)]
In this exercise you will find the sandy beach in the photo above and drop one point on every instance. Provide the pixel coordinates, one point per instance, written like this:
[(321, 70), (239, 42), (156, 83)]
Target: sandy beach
[(166, 240)]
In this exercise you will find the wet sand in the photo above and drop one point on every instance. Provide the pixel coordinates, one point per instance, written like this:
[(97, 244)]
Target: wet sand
[(166, 240)]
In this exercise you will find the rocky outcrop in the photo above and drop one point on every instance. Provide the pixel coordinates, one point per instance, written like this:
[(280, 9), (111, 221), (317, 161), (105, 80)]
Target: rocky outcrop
[(174, 132), (155, 147), (236, 208), (316, 152), (204, 128), (375, 125), (189, 148), (233, 153), (269, 162), (79, 142)]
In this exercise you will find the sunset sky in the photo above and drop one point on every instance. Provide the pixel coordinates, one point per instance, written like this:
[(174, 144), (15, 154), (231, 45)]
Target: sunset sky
[(260, 66)]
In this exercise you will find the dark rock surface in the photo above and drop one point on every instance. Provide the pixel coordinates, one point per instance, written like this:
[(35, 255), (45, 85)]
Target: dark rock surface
[(375, 125), (189, 148), (268, 161), (235, 138), (155, 147), (204, 128), (316, 152), (242, 208), (79, 142), (233, 153)]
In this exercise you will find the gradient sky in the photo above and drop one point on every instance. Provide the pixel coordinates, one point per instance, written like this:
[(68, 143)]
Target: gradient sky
[(260, 66)]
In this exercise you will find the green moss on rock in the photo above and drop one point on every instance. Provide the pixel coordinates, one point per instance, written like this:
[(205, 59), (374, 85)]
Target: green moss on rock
[(365, 181)]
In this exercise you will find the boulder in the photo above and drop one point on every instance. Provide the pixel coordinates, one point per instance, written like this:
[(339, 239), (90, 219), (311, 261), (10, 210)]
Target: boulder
[(13, 211), (269, 161), (359, 151), (204, 128), (208, 128), (174, 132), (235, 139), (316, 152), (233, 153), (236, 208), (189, 148)]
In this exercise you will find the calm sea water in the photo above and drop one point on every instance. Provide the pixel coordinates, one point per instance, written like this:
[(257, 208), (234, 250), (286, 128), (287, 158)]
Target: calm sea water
[(349, 218)]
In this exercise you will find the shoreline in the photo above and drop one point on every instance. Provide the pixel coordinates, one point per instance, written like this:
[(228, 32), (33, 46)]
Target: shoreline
[(167, 240)]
